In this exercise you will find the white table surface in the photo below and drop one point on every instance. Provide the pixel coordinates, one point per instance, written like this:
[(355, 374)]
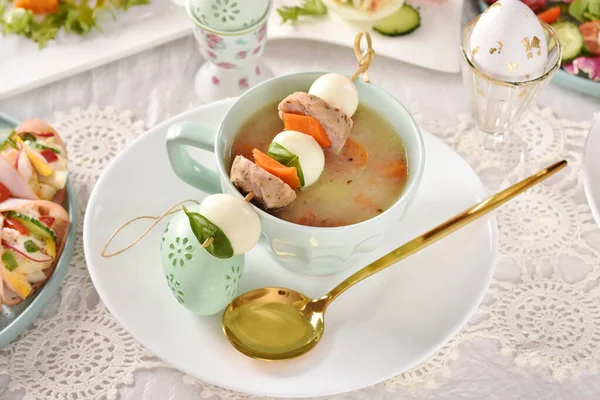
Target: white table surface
[(157, 84)]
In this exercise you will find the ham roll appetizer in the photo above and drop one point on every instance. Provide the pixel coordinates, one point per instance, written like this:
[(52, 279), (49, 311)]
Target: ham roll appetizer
[(33, 234), (33, 163)]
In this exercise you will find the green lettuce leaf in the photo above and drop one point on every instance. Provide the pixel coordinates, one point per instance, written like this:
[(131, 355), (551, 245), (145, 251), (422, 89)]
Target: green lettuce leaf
[(308, 7)]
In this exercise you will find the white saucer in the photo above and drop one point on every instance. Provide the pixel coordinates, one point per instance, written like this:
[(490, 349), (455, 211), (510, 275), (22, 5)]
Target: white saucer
[(591, 168), (375, 331)]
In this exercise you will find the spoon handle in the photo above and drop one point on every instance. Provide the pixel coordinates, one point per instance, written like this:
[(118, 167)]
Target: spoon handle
[(443, 230)]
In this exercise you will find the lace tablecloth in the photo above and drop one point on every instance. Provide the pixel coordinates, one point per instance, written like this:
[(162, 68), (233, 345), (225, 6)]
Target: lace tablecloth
[(537, 334)]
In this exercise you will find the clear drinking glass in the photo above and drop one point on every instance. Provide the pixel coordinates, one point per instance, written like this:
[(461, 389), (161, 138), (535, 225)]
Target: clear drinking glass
[(497, 106)]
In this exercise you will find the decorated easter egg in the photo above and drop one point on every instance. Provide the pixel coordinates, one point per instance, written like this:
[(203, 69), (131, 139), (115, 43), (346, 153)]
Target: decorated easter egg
[(236, 218), (337, 90), (309, 153), (509, 43), (199, 281)]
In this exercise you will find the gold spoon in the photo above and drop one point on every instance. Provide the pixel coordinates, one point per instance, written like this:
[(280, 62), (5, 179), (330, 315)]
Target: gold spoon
[(278, 324)]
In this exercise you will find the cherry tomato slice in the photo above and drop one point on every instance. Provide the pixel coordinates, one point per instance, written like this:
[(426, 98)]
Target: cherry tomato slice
[(16, 225), (47, 220), (590, 32), (4, 193)]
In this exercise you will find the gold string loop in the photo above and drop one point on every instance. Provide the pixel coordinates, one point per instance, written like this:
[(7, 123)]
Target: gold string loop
[(173, 209), (364, 57)]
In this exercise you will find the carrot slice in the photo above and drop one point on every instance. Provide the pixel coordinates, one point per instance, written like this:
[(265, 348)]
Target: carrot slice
[(550, 15), (287, 174), (307, 125), (37, 6), (395, 169)]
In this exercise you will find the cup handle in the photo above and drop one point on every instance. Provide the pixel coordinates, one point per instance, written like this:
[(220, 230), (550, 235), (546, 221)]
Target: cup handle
[(186, 133)]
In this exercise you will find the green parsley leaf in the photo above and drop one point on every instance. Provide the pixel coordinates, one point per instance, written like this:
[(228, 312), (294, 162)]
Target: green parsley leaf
[(308, 7), (204, 229), (287, 158)]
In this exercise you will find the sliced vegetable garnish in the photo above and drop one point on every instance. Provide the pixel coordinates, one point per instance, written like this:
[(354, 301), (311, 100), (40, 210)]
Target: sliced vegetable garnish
[(30, 246), (570, 38), (51, 247), (4, 193), (43, 147), (35, 227), (289, 175), (16, 225), (49, 155), (550, 15), (404, 21), (307, 125), (17, 282), (9, 142), (47, 220), (5, 134), (29, 137), (287, 158), (591, 35), (9, 261), (204, 229), (24, 253), (308, 7)]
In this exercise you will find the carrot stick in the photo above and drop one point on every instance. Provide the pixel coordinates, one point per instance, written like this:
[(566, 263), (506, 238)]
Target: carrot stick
[(287, 174), (550, 15), (307, 125), (395, 169)]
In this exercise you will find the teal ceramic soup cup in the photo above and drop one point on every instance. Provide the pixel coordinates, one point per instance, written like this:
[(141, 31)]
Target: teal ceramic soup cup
[(303, 249)]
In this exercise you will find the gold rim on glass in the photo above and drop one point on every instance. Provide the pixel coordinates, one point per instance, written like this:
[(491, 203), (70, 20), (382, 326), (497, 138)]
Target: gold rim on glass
[(466, 34)]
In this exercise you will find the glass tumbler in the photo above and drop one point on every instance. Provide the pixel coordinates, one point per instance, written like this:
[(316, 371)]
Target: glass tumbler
[(497, 106)]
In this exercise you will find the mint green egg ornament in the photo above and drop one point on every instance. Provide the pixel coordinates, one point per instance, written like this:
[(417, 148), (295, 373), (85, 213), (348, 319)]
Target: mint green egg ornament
[(202, 283)]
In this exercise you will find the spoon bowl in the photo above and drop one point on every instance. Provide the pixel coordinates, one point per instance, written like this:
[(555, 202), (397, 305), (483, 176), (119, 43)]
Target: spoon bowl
[(276, 324)]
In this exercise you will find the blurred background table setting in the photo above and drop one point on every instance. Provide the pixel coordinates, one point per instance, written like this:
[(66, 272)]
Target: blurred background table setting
[(512, 312)]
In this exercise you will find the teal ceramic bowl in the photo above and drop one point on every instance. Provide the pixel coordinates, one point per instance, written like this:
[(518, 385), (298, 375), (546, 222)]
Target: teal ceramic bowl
[(14, 320), (565, 79)]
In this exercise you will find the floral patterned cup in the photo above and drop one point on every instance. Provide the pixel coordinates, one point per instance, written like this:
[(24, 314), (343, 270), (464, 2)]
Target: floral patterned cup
[(232, 64)]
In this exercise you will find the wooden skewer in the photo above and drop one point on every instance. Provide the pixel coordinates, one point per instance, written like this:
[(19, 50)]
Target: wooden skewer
[(207, 242), (249, 197), (364, 58)]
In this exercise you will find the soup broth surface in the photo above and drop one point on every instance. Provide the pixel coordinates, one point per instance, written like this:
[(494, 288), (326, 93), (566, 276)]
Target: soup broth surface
[(359, 183)]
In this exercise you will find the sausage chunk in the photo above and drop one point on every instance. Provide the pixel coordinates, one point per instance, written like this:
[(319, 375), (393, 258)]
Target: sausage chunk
[(269, 191), (336, 123)]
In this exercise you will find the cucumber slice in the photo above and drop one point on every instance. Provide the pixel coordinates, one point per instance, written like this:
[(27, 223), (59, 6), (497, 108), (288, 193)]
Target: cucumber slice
[(43, 147), (402, 22), (35, 227), (570, 38)]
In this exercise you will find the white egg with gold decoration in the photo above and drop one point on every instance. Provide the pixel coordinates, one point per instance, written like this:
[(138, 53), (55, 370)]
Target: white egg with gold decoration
[(509, 43)]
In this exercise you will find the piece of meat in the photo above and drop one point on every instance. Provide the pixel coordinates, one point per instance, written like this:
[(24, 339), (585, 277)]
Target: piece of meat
[(269, 191), (336, 123)]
